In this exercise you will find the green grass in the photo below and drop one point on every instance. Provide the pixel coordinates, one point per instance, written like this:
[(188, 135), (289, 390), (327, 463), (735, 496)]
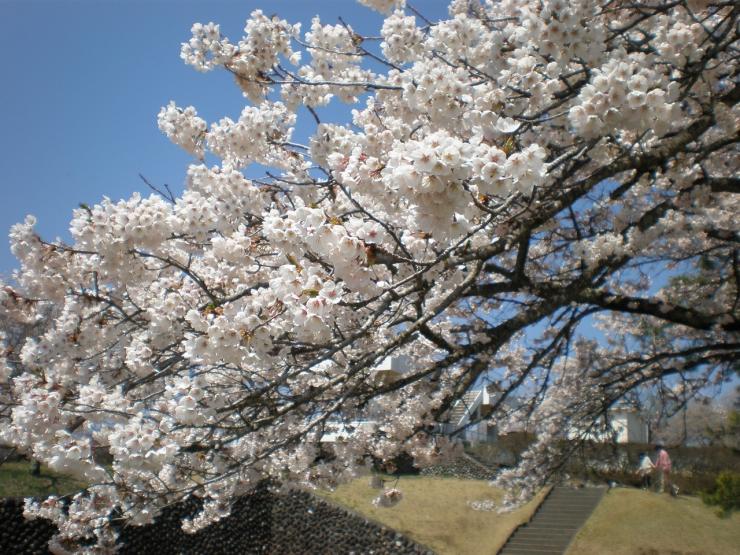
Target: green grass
[(635, 522), (16, 481), (434, 512)]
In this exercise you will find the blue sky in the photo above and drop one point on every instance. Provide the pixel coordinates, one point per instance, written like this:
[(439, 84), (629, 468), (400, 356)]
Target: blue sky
[(83, 81)]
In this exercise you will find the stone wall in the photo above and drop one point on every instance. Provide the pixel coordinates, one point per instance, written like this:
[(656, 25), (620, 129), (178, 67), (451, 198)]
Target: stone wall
[(18, 535), (463, 466), (264, 522)]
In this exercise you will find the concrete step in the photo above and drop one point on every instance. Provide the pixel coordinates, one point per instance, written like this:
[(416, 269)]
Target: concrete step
[(546, 526), (575, 500), (537, 523), (574, 517), (557, 523), (561, 490), (571, 518), (567, 501), (540, 539), (544, 530), (558, 547), (550, 531), (543, 547), (530, 551), (534, 547), (568, 511), (569, 492), (539, 543), (519, 551), (560, 524), (563, 515)]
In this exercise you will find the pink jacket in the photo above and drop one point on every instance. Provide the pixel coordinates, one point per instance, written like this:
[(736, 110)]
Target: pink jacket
[(663, 461)]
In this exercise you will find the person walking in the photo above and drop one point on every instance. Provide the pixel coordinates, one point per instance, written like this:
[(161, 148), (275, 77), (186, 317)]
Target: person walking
[(645, 471), (663, 467)]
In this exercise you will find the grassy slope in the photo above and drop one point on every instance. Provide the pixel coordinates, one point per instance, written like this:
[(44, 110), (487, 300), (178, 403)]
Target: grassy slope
[(435, 512), (632, 522), (16, 481)]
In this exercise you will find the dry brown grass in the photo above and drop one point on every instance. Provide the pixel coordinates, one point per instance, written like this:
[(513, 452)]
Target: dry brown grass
[(435, 512), (635, 522)]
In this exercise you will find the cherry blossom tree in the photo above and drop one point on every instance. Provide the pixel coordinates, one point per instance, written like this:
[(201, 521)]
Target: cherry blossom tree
[(705, 420), (539, 194), (15, 329)]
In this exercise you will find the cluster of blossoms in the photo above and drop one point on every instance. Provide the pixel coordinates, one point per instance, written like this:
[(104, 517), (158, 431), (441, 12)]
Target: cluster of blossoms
[(402, 39), (308, 228), (137, 221), (431, 176), (5, 368), (183, 127), (206, 49), (626, 95), (334, 56), (383, 6), (325, 41), (679, 39), (482, 505), (266, 38), (468, 38), (229, 193), (564, 30), (258, 136), (514, 171), (388, 498)]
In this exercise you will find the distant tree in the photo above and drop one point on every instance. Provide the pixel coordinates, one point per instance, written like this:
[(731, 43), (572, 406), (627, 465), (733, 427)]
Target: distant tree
[(510, 177), (702, 422)]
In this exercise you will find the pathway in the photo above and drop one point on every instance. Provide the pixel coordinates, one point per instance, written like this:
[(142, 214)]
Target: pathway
[(555, 522)]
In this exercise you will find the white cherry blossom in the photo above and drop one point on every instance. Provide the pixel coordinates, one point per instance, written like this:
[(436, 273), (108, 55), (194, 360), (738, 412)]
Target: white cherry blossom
[(503, 182)]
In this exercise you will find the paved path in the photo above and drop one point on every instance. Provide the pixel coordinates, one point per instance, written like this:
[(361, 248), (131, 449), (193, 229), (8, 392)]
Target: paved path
[(555, 522)]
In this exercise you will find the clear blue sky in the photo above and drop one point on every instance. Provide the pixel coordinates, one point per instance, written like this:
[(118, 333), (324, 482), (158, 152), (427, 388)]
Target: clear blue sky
[(83, 81)]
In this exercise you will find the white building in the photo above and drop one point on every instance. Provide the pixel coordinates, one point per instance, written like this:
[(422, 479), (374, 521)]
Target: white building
[(628, 426), (473, 406), (467, 417), (387, 371), (624, 425), (391, 368)]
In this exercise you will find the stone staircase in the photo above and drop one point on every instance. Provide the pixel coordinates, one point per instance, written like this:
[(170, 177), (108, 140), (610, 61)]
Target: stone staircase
[(555, 522), (462, 406)]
